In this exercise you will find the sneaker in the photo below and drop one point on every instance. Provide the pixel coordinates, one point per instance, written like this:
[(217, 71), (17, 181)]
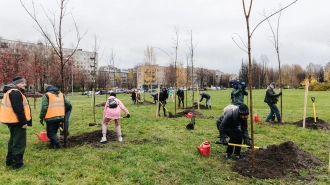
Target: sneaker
[(103, 140), (228, 156), (239, 156), (120, 139)]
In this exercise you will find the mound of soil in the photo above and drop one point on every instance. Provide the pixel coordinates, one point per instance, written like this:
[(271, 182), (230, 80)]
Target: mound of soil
[(195, 106), (310, 124), (91, 138), (278, 161), (195, 113), (100, 105), (146, 103)]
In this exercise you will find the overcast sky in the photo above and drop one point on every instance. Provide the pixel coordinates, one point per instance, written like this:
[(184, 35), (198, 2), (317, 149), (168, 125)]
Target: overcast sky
[(128, 26)]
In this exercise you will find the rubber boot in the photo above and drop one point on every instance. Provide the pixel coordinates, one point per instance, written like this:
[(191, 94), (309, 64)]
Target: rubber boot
[(18, 161), (9, 159), (207, 107), (58, 145)]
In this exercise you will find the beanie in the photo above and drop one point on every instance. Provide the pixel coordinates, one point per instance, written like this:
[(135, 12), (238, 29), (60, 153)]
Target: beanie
[(113, 94), (18, 80), (243, 110), (273, 83)]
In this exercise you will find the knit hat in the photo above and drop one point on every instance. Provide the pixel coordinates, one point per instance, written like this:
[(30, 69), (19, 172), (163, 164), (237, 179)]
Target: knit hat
[(243, 110), (18, 80), (273, 83), (113, 94)]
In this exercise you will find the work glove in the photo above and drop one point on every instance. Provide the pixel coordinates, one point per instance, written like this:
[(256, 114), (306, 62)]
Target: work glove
[(42, 122), (246, 139), (127, 116), (280, 93), (239, 86)]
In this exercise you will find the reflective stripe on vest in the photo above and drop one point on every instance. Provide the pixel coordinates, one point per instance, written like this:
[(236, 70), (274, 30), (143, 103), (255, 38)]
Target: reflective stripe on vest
[(7, 114), (55, 105)]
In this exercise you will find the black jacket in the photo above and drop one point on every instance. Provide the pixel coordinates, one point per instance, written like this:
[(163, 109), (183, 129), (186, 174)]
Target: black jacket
[(271, 96), (230, 121), (17, 104)]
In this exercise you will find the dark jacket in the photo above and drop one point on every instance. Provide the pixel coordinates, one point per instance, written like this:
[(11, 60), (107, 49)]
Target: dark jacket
[(230, 121), (237, 96), (271, 97), (180, 94), (204, 95), (45, 102), (16, 102)]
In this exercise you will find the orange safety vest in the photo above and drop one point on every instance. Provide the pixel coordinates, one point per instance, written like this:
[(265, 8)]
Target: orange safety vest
[(55, 105), (7, 114)]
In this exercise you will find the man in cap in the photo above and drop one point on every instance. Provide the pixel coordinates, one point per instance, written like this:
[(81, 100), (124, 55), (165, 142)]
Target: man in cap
[(233, 124), (53, 105), (15, 112), (207, 101), (271, 99), (180, 94)]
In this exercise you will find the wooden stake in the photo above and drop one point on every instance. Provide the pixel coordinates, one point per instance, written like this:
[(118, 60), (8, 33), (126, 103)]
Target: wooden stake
[(305, 103), (197, 96)]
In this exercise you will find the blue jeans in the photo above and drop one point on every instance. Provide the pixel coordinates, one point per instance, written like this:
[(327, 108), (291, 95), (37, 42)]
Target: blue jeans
[(273, 109)]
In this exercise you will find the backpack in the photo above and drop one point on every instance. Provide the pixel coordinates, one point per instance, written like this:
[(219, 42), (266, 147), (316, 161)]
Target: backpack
[(112, 103)]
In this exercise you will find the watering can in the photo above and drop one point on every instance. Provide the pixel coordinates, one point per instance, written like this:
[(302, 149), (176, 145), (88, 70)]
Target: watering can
[(189, 115), (205, 148), (43, 136)]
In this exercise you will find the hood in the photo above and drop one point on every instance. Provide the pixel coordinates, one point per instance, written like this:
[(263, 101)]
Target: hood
[(52, 89), (9, 86)]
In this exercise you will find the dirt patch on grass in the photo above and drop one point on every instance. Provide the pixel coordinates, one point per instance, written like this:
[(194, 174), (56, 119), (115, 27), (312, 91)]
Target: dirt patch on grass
[(92, 138), (310, 124), (195, 113), (278, 161)]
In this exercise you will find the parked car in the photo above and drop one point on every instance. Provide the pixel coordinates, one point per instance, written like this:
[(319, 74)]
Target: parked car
[(89, 93), (1, 95), (128, 91), (102, 92), (33, 94)]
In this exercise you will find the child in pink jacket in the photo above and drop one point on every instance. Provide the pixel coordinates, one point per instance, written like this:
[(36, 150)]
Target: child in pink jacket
[(113, 114)]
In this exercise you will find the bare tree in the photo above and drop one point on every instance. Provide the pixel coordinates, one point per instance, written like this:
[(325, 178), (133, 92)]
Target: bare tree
[(249, 37), (191, 47), (57, 43)]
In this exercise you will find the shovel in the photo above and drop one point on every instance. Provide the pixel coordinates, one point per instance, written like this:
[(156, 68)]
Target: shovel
[(244, 146), (169, 113), (313, 100), (93, 124)]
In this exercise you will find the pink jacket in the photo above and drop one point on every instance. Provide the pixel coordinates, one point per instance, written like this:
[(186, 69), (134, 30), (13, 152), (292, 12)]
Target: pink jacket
[(114, 113)]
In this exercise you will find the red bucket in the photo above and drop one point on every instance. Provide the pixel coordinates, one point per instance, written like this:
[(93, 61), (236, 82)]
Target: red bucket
[(256, 118), (189, 115)]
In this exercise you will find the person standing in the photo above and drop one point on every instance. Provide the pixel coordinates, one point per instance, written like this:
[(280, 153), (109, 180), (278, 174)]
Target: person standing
[(15, 112), (208, 99), (112, 110), (133, 96), (171, 93), (53, 105), (238, 93), (180, 94), (233, 123), (271, 99)]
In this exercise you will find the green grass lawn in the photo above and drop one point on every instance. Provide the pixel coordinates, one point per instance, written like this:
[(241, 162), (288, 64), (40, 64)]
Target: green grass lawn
[(161, 150)]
